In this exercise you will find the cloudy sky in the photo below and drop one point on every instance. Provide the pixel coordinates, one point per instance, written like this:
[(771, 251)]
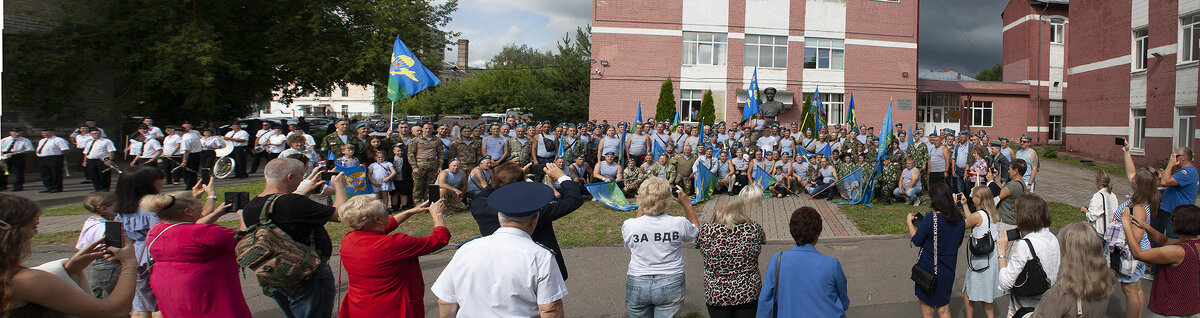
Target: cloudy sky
[(959, 34)]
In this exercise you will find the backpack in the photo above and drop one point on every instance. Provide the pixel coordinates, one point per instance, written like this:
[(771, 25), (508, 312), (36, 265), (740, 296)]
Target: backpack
[(277, 260)]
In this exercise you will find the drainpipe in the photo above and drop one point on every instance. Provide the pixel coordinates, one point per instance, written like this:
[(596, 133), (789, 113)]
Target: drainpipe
[(1038, 87)]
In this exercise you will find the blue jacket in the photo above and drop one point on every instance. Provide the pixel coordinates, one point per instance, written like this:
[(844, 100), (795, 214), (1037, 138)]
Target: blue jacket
[(810, 285)]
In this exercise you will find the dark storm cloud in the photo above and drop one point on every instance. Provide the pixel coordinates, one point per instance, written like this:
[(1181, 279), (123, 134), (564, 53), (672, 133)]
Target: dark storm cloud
[(961, 34)]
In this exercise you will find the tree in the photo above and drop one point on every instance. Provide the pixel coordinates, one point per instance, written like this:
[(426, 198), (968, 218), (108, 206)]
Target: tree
[(992, 74), (221, 59), (708, 112), (807, 119), (666, 103)]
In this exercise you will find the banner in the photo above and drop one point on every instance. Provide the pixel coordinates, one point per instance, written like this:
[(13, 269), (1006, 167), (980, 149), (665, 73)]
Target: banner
[(356, 178), (764, 180), (704, 185), (406, 75), (610, 194)]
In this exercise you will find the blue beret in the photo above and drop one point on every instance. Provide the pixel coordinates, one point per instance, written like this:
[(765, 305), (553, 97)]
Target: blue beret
[(996, 144), (1025, 136), (520, 199), (964, 132)]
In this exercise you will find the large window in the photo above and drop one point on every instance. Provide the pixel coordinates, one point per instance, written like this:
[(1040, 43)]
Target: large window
[(689, 100), (981, 113), (824, 53), (766, 51), (704, 48), (1056, 128), (1185, 126), (1141, 44), (1191, 35), (1057, 27), (1138, 135), (833, 105)]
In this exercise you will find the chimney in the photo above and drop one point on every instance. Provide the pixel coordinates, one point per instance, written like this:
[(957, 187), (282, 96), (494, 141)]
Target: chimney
[(462, 54)]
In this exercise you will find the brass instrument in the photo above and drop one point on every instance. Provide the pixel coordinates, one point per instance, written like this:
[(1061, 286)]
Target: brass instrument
[(111, 167), (4, 163)]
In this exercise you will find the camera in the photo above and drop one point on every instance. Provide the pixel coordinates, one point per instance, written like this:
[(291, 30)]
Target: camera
[(1013, 234), (327, 175)]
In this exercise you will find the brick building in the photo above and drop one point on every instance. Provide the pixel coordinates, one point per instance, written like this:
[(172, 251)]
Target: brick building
[(797, 47), (1134, 74), (1036, 54)]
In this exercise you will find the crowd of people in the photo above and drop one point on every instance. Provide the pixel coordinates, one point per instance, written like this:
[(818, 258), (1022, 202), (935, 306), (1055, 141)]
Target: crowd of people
[(517, 179)]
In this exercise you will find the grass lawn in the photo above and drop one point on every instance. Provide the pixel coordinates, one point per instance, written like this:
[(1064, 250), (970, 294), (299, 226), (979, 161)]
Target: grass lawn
[(889, 218), (65, 210)]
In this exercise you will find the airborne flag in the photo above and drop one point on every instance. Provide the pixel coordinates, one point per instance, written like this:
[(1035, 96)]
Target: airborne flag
[(406, 75)]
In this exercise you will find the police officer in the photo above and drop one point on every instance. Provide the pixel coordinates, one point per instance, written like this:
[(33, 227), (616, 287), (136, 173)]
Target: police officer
[(506, 267), (425, 154)]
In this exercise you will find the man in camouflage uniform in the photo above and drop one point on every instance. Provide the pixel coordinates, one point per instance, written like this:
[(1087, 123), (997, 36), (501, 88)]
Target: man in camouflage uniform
[(520, 147), (919, 152), (425, 154), (573, 146), (342, 136), (683, 169), (664, 168), (468, 149), (889, 178)]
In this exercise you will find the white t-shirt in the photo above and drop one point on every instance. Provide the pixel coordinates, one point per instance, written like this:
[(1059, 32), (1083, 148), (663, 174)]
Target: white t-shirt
[(240, 134), (655, 243), (149, 148), (504, 274), (277, 143)]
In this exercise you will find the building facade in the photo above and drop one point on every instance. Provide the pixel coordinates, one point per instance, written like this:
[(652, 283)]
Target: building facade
[(339, 101), (1036, 54), (1134, 74), (867, 48)]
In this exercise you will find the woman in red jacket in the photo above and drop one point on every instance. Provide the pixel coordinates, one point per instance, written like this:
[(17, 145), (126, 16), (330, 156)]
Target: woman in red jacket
[(383, 270)]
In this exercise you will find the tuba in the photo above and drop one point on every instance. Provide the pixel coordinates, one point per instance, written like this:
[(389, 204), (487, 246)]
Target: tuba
[(223, 167)]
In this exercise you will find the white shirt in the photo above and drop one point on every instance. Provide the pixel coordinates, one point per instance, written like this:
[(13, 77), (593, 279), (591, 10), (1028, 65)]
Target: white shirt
[(212, 142), (1046, 246), (1102, 209), (53, 146), (504, 274), (154, 133), (277, 143), (261, 137), (240, 134), (150, 147), (171, 145), (82, 140), (308, 140), (135, 147), (655, 243), (75, 133), (19, 144), (190, 143), (767, 142), (99, 149)]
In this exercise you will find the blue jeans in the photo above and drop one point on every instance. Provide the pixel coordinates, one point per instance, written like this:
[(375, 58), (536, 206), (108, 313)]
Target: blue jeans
[(960, 185), (311, 298), (657, 296), (910, 193)]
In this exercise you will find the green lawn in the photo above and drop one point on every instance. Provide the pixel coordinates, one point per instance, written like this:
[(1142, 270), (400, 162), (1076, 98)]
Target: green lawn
[(889, 218)]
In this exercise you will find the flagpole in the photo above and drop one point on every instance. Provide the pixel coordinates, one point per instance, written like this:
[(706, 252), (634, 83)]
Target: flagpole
[(392, 116)]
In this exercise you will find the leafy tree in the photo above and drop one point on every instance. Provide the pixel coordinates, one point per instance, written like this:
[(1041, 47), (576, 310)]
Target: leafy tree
[(222, 59), (666, 102), (708, 111), (807, 118), (993, 74)]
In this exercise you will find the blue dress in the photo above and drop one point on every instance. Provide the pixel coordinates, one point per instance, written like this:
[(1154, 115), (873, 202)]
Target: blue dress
[(950, 238)]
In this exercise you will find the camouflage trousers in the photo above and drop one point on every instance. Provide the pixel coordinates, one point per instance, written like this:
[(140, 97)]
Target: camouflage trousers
[(426, 174)]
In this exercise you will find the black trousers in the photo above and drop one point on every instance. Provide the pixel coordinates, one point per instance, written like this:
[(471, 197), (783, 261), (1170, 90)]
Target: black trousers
[(52, 169), (191, 174), (168, 163), (258, 157), (97, 172), (935, 178), (747, 310), (16, 169), (208, 158), (239, 161)]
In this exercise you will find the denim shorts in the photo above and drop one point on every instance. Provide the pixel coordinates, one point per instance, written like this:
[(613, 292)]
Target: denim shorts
[(103, 275), (1138, 273)]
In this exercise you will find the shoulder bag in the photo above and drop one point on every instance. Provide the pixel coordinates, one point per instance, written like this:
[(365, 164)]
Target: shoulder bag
[(277, 260), (923, 278), (982, 246), (1032, 280)]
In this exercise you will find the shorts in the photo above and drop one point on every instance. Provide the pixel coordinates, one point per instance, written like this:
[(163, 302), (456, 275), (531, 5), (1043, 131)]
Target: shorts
[(1138, 273)]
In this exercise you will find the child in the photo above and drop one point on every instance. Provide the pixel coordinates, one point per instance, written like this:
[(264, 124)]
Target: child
[(102, 275), (347, 159), (403, 186), (382, 172)]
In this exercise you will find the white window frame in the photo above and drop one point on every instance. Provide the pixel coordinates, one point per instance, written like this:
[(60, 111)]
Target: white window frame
[(776, 46), (1185, 127), (834, 50), (981, 110), (1141, 49), (1054, 128), (1189, 35), (696, 43), (1137, 129), (1057, 31), (689, 98), (835, 107)]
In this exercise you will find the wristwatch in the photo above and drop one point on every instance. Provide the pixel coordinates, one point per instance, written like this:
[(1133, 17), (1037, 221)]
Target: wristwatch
[(212, 197)]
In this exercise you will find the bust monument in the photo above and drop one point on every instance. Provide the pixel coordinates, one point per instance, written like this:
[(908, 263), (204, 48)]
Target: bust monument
[(770, 108)]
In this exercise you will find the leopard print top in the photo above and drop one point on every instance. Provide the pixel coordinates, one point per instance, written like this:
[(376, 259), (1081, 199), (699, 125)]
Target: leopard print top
[(731, 274)]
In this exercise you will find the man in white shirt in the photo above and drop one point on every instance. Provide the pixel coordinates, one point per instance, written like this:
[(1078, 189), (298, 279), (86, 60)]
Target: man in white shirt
[(90, 125), (505, 274), (50, 157), (277, 142), (152, 131), (13, 149), (96, 154), (81, 137), (261, 137), (190, 144), (240, 139), (147, 152), (171, 155)]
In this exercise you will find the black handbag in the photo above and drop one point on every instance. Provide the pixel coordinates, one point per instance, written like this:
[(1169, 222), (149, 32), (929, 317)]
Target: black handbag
[(923, 278), (982, 246), (1032, 280)]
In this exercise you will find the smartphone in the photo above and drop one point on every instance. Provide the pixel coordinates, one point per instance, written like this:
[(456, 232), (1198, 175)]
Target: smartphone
[(917, 219), (433, 193), (112, 234), (328, 175), (237, 200), (1013, 235), (1120, 141)]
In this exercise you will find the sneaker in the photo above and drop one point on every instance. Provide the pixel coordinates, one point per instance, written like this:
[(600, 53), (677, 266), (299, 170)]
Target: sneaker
[(916, 202)]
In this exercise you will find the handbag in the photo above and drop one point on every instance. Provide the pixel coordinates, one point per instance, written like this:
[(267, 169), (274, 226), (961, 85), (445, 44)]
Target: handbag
[(1032, 280), (923, 278), (775, 290), (982, 246)]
